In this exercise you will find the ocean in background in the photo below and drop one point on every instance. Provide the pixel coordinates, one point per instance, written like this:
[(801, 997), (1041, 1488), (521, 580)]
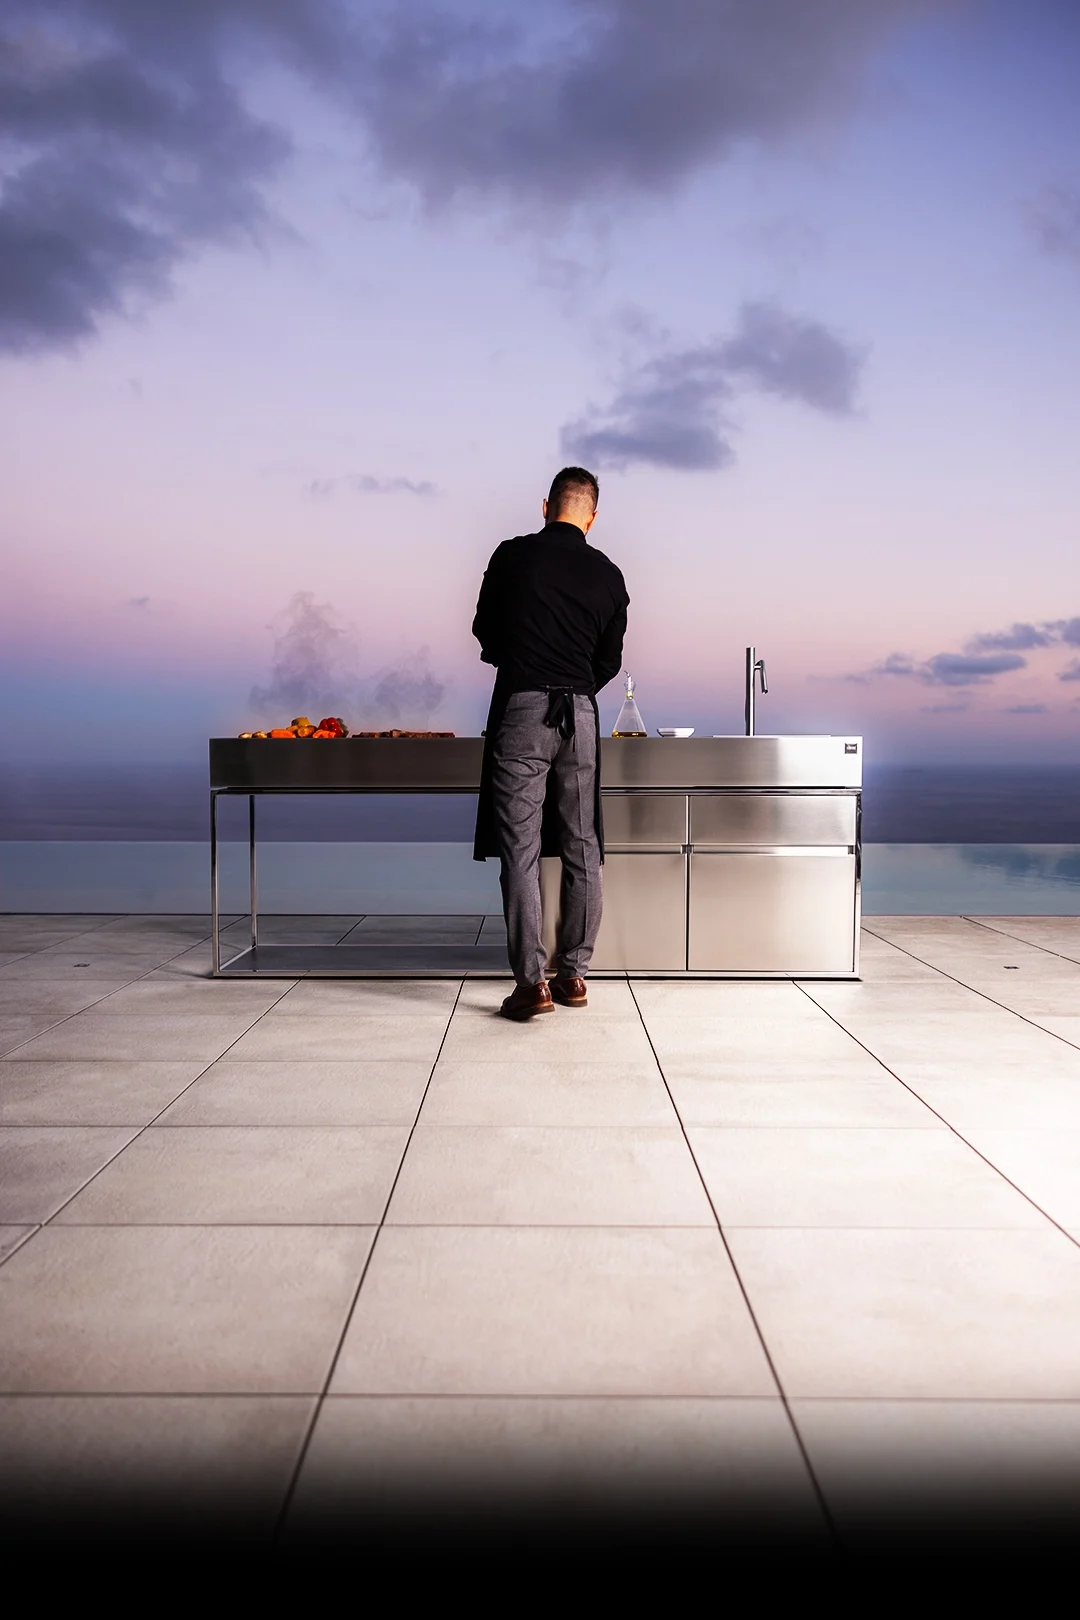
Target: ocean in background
[(156, 803), (93, 836), (308, 878)]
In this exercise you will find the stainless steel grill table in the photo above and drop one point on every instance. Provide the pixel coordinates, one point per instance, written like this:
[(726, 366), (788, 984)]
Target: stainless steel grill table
[(736, 857)]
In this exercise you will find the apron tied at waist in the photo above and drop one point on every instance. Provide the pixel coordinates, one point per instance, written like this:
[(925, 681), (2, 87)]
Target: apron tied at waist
[(560, 710)]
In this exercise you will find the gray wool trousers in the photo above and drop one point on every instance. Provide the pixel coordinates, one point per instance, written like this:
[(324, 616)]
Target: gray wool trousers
[(525, 752)]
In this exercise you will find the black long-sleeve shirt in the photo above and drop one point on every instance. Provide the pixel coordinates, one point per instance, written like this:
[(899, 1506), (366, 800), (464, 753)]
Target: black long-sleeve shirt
[(552, 612)]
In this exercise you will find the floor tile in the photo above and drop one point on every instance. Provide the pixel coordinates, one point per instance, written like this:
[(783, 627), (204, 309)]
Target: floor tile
[(11, 1237), (963, 1315), (741, 1039), (363, 997), (1059, 934), (50, 998), (373, 1093), (1045, 1164), (608, 998), (553, 1093), (1021, 1100), (177, 1310), (510, 1175), (843, 1177), (41, 1167), (90, 1093), (556, 1311), (40, 968), (705, 1098), (1067, 1029), (565, 1034), (158, 995), (895, 1469), (72, 962), (164, 1038), (735, 998), (247, 1174), (904, 1000), (340, 1039), (15, 1033), (738, 1458), (27, 932), (1043, 1006), (169, 1463)]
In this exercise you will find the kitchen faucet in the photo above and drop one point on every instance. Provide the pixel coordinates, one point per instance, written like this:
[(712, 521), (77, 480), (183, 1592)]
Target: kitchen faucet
[(755, 666)]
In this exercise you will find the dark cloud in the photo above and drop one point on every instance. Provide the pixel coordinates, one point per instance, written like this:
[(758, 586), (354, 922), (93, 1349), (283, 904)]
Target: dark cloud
[(1054, 217), (126, 145), (561, 104), (969, 669), (1026, 708), (943, 708), (670, 411), (987, 655), (138, 601), (896, 664), (1018, 638), (793, 357), (130, 137)]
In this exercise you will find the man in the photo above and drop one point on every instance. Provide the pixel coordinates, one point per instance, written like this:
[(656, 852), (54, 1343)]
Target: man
[(551, 618)]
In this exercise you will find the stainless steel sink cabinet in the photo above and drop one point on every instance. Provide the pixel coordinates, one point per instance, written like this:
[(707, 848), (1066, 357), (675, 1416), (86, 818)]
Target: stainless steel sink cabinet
[(726, 857), (750, 867)]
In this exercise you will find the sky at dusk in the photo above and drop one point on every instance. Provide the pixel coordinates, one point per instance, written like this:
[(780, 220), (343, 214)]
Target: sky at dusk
[(303, 303)]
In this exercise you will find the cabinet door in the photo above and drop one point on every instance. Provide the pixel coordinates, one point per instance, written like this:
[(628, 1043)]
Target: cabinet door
[(772, 818), (645, 821), (770, 913), (643, 928)]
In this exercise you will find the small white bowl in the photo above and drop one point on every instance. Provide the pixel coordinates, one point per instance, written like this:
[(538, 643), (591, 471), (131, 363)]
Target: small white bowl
[(674, 731)]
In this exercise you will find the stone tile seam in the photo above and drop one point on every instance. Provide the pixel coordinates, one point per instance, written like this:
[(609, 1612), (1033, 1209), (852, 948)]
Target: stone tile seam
[(305, 1445), (815, 1483), (139, 1131), (957, 1133)]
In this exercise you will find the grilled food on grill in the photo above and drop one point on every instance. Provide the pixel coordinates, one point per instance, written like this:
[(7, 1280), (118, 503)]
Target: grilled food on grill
[(332, 727)]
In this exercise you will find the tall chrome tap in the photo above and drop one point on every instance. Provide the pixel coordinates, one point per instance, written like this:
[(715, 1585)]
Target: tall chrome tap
[(755, 667)]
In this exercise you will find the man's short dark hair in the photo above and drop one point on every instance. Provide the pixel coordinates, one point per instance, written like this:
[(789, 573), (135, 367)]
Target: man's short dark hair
[(570, 484)]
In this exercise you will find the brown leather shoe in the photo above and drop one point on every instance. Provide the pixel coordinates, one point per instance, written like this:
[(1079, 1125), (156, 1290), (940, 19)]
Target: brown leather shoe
[(526, 1001), (569, 992)]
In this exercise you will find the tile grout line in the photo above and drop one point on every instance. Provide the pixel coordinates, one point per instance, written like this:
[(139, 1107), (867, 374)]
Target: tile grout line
[(981, 922), (138, 979), (321, 1396), (782, 1393), (958, 1134), (142, 1129), (970, 988), (21, 955)]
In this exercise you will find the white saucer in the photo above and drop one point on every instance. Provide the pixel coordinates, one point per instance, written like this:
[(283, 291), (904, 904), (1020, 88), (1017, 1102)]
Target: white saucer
[(674, 731)]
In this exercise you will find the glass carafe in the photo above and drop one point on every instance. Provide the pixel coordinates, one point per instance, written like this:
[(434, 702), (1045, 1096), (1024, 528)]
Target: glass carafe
[(629, 723)]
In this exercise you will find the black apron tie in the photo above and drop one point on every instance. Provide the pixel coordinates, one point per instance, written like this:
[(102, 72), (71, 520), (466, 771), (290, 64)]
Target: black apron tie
[(560, 710)]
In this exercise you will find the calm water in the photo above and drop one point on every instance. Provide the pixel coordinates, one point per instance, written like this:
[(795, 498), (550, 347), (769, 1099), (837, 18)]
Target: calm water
[(333, 877)]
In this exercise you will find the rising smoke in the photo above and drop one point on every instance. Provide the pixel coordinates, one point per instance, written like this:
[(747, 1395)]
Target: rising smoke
[(315, 669)]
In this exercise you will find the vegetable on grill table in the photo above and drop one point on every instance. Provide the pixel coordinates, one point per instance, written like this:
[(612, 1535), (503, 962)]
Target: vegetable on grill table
[(331, 727)]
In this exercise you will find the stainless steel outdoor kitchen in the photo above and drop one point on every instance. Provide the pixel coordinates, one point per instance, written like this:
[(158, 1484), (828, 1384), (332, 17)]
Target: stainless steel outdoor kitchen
[(729, 857)]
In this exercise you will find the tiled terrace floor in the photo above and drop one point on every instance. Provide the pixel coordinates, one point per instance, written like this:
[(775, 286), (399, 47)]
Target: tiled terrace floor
[(796, 1242)]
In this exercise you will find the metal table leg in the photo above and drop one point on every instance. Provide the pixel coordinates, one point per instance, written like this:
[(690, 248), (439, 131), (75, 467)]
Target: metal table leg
[(215, 929), (252, 878)]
